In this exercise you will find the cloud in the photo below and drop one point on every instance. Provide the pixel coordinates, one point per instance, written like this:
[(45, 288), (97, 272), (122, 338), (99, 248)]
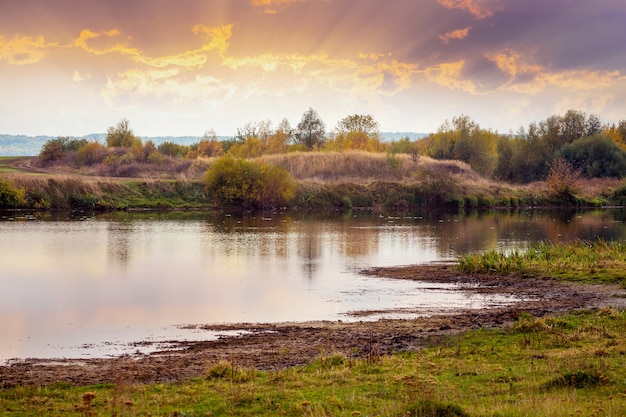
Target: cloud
[(79, 77), (180, 88), (86, 37), (455, 34), (24, 50), (479, 8), (532, 79), (450, 74)]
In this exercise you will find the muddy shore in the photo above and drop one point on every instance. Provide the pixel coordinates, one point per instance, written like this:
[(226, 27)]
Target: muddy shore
[(278, 346)]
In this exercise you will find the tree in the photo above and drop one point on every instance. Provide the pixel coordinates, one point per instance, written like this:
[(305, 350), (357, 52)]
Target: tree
[(465, 141), (311, 131), (173, 149), (596, 156), (51, 151), (121, 136), (209, 145), (363, 123), (356, 132), (91, 153)]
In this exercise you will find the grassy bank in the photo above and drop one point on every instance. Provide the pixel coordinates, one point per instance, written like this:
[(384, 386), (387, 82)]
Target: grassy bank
[(556, 366), (324, 180), (582, 261)]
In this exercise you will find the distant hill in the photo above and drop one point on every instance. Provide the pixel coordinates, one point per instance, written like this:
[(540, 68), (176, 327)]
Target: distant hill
[(20, 145)]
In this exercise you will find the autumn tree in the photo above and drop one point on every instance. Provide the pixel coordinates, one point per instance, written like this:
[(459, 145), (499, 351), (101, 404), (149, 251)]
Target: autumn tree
[(311, 132), (464, 140), (209, 146), (54, 149), (363, 123), (121, 136), (356, 132)]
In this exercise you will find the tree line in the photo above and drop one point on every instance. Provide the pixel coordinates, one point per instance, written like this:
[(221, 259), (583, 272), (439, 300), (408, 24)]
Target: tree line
[(591, 147)]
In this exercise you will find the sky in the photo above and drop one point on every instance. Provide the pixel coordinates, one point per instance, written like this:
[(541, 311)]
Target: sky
[(177, 68)]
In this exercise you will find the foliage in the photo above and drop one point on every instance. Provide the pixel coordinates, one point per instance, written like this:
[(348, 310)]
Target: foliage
[(311, 131), (405, 145), (363, 123), (465, 141), (596, 156), (121, 136), (10, 195), (90, 154), (358, 141), (173, 149), (53, 149), (209, 148), (249, 184), (563, 179)]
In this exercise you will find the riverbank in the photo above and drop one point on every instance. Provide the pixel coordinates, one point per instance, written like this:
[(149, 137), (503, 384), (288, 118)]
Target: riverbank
[(323, 181), (279, 346), (560, 352)]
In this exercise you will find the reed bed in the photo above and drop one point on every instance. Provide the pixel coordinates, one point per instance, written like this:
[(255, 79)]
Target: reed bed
[(587, 261)]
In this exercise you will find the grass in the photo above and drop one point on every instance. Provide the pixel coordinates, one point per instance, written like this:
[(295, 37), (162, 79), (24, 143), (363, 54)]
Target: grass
[(555, 366), (585, 261), (336, 180), (6, 166), (63, 192)]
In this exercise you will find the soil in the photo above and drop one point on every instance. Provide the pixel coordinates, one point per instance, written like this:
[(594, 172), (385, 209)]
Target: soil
[(279, 346)]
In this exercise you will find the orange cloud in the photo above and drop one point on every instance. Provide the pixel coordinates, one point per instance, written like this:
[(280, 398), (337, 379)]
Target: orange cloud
[(87, 36), (455, 34), (476, 7), (215, 38), (158, 83), (24, 50), (539, 78), (449, 75)]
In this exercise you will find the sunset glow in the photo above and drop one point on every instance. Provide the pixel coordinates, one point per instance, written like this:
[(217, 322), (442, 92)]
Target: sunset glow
[(182, 68)]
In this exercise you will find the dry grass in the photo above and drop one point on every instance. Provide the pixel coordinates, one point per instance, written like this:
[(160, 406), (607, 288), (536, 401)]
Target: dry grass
[(364, 167)]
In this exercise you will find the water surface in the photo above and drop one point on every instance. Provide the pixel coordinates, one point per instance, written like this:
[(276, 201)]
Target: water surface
[(88, 286)]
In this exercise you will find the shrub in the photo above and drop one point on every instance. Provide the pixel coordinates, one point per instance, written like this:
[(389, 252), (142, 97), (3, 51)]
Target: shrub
[(249, 184), (563, 180), (10, 195), (597, 156), (91, 153)]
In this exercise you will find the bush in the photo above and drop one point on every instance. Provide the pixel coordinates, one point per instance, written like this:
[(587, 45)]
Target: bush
[(597, 156), (563, 180), (10, 195), (249, 184), (91, 153)]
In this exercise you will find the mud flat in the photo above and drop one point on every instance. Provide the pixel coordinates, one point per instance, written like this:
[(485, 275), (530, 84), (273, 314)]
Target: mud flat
[(279, 346)]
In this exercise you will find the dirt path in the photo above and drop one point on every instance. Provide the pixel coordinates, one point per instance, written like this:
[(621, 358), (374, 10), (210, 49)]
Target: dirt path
[(277, 346)]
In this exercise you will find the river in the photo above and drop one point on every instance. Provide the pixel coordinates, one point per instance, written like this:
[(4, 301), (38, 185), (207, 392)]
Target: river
[(81, 286)]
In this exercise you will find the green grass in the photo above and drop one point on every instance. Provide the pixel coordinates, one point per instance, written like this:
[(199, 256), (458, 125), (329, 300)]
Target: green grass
[(556, 366), (5, 165), (585, 261)]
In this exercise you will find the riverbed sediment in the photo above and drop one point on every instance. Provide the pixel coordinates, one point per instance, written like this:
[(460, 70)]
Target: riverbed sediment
[(276, 346)]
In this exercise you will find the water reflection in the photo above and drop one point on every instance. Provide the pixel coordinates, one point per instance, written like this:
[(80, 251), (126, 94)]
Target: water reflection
[(122, 277)]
